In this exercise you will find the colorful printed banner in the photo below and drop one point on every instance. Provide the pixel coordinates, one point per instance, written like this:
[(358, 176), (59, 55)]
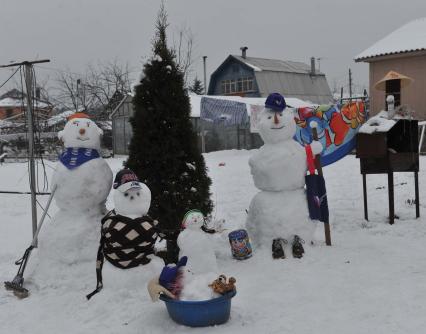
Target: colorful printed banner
[(337, 128)]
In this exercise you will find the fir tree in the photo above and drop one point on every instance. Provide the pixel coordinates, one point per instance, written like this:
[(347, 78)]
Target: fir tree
[(197, 87), (163, 151)]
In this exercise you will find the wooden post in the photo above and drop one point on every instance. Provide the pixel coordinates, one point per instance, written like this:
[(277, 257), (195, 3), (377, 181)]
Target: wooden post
[(416, 187), (238, 137), (319, 168), (391, 198), (364, 188)]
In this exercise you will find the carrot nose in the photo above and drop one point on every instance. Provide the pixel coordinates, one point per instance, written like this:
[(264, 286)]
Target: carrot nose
[(276, 120), (82, 131)]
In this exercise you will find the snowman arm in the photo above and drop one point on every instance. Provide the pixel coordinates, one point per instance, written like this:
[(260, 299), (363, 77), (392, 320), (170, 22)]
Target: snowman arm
[(155, 290)]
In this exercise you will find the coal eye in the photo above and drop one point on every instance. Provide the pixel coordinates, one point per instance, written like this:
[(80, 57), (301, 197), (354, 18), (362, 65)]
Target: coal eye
[(269, 117), (281, 114), (137, 193), (126, 194)]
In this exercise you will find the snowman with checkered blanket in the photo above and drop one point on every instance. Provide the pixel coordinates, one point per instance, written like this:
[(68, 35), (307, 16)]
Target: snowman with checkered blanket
[(128, 237)]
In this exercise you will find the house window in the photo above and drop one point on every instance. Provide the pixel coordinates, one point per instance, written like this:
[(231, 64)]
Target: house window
[(393, 87), (240, 85)]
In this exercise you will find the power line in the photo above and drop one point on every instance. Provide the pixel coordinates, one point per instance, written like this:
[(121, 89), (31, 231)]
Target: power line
[(72, 72), (10, 77)]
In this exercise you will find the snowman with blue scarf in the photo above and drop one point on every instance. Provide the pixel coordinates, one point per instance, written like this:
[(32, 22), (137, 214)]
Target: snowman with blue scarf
[(82, 178)]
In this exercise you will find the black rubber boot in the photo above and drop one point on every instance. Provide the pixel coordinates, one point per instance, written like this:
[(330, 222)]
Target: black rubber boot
[(278, 248), (297, 247)]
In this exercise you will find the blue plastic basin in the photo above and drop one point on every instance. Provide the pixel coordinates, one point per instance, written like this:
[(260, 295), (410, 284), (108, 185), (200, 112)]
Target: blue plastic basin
[(200, 313)]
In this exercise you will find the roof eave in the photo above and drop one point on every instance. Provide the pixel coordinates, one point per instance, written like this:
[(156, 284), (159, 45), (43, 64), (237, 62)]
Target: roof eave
[(380, 55)]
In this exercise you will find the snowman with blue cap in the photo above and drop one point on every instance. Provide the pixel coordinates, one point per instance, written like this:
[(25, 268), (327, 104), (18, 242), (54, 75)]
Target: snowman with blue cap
[(278, 168)]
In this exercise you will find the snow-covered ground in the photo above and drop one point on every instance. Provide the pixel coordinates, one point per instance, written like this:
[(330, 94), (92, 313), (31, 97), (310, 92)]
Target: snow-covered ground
[(372, 280)]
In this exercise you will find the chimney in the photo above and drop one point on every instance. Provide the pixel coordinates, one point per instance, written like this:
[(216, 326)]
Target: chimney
[(312, 65), (243, 51)]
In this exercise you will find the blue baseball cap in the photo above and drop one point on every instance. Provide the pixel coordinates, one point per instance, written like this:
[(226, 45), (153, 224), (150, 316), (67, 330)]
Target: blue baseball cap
[(276, 102)]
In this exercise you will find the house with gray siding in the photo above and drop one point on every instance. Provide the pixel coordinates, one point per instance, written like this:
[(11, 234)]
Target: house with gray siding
[(258, 77)]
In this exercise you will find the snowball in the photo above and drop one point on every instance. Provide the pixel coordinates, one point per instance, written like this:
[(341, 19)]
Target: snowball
[(276, 127), (84, 188), (190, 166), (81, 132), (157, 58), (134, 202)]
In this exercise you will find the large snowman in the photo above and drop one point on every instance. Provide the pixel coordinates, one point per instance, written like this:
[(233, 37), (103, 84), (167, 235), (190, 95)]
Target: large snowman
[(82, 178), (280, 209), (83, 181)]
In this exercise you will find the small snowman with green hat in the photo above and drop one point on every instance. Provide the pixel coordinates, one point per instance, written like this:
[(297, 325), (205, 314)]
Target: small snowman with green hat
[(201, 268)]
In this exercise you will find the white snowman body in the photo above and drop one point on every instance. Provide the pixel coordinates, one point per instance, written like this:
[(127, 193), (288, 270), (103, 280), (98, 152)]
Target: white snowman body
[(85, 188), (278, 169), (201, 268)]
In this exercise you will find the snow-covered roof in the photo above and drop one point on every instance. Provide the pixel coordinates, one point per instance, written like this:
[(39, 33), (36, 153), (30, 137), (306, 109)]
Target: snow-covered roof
[(275, 65), (196, 102), (59, 117), (105, 125), (410, 37), (7, 124), (11, 102)]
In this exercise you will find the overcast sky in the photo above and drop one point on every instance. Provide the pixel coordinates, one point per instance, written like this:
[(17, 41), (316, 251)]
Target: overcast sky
[(74, 33)]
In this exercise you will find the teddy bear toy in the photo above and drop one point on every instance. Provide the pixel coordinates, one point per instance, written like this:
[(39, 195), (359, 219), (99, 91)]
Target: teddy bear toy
[(222, 286)]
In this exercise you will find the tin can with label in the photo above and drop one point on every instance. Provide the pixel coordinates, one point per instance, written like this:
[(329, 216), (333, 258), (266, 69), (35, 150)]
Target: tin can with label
[(240, 244)]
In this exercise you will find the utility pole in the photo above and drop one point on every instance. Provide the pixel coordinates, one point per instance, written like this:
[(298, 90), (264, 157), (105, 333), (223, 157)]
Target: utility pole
[(30, 126), (350, 84), (205, 75), (203, 139), (77, 95), (28, 86)]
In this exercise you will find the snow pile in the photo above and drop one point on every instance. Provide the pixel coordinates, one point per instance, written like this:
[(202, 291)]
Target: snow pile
[(61, 117), (18, 103), (378, 123)]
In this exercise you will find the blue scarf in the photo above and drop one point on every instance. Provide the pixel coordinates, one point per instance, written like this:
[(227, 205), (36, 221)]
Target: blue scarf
[(74, 157)]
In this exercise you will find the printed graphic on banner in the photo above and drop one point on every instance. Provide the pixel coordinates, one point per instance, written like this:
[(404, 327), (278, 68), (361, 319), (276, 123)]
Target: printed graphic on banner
[(337, 128)]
